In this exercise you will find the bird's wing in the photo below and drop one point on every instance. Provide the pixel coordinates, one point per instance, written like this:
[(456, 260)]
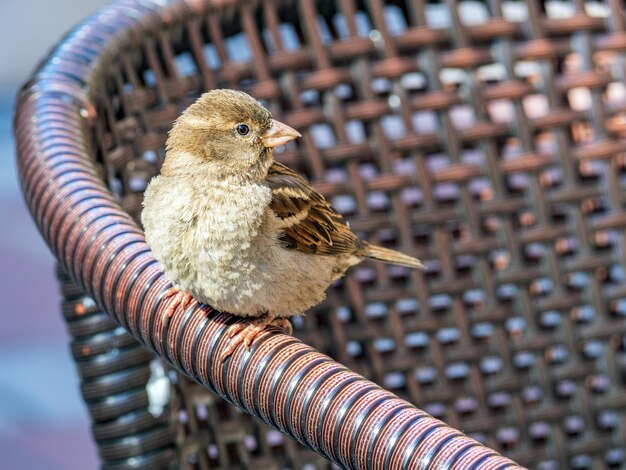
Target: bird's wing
[(309, 222)]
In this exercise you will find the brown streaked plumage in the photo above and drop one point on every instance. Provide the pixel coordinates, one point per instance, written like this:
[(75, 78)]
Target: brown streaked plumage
[(309, 222), (238, 231)]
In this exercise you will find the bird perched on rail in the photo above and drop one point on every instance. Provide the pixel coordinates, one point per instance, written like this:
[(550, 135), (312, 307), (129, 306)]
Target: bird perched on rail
[(238, 231)]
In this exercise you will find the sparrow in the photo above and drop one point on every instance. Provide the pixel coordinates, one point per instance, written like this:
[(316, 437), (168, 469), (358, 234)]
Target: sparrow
[(237, 231)]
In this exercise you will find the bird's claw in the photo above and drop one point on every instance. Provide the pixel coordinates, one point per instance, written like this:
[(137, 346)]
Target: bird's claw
[(284, 324), (180, 299), (246, 333)]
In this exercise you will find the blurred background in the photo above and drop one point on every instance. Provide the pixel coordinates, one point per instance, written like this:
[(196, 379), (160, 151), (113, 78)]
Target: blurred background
[(43, 422)]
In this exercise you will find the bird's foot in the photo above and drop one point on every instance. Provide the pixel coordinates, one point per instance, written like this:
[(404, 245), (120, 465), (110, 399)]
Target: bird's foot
[(284, 324), (180, 299), (246, 333)]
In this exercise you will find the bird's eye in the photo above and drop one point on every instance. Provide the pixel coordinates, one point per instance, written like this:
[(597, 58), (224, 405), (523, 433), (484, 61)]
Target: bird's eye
[(242, 129)]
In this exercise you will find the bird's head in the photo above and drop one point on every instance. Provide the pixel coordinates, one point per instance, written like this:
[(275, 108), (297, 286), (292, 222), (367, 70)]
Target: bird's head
[(227, 130)]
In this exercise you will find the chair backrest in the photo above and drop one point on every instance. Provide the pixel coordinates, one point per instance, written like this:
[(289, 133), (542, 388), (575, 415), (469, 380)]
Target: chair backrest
[(485, 138)]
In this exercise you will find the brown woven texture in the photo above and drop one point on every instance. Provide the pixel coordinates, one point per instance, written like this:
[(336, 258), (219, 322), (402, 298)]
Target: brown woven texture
[(487, 139)]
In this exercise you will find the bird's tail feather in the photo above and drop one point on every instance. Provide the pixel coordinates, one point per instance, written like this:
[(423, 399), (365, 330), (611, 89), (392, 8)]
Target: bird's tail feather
[(391, 256)]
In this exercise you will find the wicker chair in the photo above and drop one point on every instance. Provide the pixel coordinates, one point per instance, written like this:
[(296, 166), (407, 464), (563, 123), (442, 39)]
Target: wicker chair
[(485, 138)]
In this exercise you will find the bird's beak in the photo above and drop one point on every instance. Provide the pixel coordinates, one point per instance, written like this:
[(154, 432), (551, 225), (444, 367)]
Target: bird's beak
[(279, 134)]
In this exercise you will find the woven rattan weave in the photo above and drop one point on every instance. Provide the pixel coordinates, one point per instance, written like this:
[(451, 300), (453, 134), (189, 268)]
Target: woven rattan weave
[(486, 138)]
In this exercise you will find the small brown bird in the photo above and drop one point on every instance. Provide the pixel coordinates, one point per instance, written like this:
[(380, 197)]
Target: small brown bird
[(238, 231)]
